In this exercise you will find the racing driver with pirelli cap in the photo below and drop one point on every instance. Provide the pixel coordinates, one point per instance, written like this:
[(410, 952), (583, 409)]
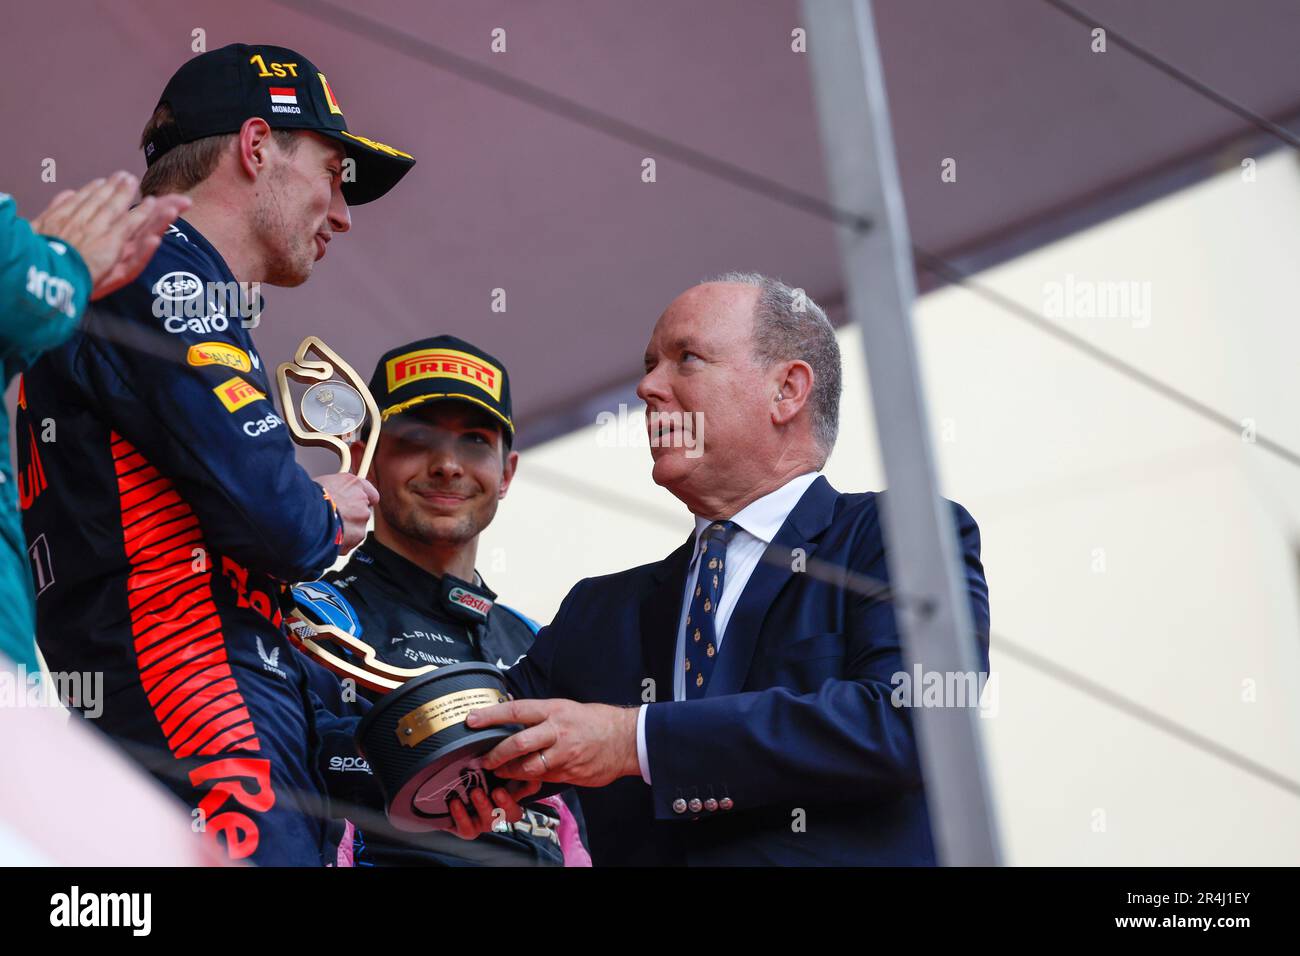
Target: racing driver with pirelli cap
[(412, 591), (168, 515)]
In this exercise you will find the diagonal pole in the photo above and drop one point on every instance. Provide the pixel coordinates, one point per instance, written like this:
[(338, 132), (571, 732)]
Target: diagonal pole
[(880, 286)]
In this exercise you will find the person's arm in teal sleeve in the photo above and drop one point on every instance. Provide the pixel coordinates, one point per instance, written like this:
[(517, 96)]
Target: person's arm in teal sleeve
[(44, 286)]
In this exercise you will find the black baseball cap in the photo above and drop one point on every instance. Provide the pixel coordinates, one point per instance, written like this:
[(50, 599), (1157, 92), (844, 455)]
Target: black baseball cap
[(443, 368), (216, 91)]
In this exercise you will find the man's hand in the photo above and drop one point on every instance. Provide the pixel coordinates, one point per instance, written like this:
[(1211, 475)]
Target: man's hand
[(484, 816), (114, 242), (353, 497), (586, 745)]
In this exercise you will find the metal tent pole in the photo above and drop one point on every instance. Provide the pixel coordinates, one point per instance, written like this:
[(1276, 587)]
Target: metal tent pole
[(880, 286)]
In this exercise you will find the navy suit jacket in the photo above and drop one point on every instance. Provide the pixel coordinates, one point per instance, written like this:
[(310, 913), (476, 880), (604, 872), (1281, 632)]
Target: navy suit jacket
[(797, 714)]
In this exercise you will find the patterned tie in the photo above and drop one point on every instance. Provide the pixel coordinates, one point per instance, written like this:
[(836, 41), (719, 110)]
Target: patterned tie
[(701, 638)]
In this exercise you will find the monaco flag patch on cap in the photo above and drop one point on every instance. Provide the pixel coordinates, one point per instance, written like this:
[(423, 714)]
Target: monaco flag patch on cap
[(284, 95)]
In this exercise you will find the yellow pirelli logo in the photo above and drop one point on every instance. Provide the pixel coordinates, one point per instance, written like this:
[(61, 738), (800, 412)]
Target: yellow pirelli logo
[(219, 353), (235, 393), (444, 363)]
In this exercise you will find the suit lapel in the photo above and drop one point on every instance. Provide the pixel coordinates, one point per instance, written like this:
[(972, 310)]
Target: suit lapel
[(660, 616), (807, 521)]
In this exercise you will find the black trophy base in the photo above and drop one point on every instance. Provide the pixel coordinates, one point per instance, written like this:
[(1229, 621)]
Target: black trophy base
[(417, 744)]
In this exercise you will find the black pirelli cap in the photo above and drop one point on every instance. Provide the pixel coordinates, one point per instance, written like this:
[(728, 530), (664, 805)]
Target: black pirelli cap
[(217, 91), (442, 368)]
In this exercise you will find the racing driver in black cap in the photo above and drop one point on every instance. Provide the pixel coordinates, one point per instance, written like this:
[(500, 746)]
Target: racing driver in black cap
[(412, 592), (170, 512)]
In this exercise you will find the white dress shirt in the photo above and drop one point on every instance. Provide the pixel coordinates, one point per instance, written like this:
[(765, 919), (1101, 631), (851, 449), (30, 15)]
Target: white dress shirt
[(757, 524)]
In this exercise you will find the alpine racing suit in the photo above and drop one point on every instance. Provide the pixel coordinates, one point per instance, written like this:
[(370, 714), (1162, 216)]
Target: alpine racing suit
[(168, 514), (413, 618)]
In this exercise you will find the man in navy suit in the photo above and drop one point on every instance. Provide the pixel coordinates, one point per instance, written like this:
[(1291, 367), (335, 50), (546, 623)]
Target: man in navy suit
[(724, 705)]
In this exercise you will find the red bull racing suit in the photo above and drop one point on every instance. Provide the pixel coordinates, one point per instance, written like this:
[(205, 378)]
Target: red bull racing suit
[(165, 511)]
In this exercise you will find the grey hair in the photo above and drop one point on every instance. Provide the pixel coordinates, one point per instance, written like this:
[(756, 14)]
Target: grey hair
[(788, 325)]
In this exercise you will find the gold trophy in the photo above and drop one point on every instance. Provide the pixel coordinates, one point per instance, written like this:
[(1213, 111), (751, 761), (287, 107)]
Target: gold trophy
[(415, 737)]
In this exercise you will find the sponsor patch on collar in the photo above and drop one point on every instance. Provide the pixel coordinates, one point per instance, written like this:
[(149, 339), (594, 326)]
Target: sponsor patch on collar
[(470, 602)]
